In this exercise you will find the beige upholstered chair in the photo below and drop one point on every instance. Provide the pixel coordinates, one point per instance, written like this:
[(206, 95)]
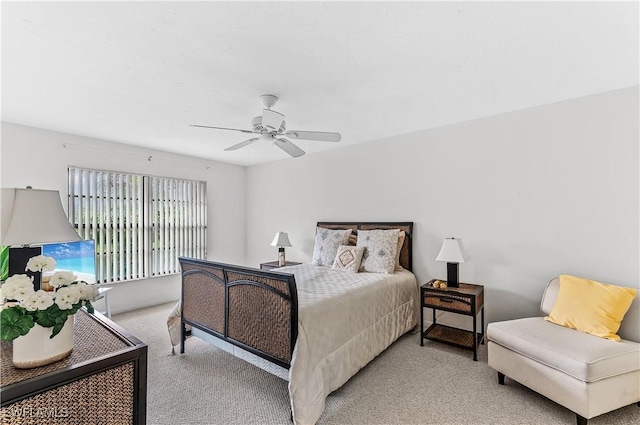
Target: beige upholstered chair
[(584, 373)]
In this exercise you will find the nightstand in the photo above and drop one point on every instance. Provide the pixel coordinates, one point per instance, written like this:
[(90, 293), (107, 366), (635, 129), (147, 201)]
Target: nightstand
[(274, 265), (467, 299)]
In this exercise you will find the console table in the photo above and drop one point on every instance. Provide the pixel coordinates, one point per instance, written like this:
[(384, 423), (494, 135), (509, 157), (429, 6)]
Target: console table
[(104, 380)]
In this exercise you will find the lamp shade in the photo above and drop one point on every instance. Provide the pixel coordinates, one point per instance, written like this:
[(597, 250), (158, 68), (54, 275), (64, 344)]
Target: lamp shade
[(7, 196), (281, 240), (452, 251), (37, 217)]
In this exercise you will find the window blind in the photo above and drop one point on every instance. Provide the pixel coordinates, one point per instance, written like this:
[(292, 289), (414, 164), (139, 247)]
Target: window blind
[(140, 223)]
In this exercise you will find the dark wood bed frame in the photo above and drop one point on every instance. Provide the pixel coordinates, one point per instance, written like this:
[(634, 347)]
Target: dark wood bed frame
[(256, 310)]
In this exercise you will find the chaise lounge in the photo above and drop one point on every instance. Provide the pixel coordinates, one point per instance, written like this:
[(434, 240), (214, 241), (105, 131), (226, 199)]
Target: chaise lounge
[(587, 374)]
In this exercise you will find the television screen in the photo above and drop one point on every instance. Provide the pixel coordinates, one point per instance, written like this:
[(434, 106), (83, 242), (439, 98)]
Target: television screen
[(78, 257)]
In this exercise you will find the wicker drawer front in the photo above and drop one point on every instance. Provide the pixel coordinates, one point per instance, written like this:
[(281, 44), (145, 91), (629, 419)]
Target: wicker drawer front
[(461, 304), (103, 398)]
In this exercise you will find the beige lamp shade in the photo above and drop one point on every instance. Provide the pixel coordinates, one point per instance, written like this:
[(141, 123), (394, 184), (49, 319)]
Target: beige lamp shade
[(37, 217), (281, 240), (7, 195), (452, 251)]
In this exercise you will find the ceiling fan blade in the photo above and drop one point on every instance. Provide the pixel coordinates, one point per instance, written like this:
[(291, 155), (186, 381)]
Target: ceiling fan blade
[(272, 120), (288, 147), (322, 136), (222, 128), (242, 144)]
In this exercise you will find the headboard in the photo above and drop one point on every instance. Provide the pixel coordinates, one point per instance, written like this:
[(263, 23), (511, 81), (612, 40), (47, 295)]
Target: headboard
[(406, 253)]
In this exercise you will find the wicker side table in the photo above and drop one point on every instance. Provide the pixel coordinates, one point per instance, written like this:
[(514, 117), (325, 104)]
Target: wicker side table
[(468, 299), (103, 381)]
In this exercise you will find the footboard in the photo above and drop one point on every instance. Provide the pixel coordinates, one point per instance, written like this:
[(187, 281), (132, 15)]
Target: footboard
[(253, 309)]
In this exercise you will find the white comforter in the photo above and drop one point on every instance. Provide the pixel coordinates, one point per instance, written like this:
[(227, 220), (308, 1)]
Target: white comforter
[(344, 321)]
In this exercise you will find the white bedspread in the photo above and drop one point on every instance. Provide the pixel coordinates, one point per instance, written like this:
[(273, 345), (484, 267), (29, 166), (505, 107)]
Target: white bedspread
[(344, 321)]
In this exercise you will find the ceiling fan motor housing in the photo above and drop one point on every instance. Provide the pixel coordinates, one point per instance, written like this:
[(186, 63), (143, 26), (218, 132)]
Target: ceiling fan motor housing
[(256, 124)]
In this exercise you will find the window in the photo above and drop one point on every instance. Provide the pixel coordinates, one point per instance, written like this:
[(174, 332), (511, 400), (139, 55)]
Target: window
[(140, 224)]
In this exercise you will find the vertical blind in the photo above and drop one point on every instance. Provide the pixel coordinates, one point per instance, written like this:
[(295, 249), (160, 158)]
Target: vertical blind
[(140, 224)]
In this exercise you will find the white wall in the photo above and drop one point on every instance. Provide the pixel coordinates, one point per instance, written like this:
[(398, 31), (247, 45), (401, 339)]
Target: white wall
[(36, 157), (533, 194)]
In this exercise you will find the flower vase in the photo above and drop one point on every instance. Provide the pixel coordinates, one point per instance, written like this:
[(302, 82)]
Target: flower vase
[(37, 348)]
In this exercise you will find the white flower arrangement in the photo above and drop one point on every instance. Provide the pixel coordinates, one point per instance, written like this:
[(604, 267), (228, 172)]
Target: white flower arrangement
[(41, 263), (48, 309)]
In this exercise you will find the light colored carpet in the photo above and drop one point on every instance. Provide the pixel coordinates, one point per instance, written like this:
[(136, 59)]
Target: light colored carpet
[(406, 384)]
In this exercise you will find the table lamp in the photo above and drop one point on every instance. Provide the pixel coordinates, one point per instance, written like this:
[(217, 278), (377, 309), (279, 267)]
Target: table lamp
[(453, 253), (36, 217), (281, 240)]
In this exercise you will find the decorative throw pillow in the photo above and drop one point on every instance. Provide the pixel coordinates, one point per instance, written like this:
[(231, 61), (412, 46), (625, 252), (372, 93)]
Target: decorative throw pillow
[(592, 307), (353, 239), (401, 236), (326, 245), (348, 258), (380, 250)]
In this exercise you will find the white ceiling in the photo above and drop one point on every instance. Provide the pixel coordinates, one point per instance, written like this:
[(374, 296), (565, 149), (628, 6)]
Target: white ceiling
[(141, 72)]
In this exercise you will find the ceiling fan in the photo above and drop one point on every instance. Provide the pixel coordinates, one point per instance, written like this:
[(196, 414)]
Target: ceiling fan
[(271, 126)]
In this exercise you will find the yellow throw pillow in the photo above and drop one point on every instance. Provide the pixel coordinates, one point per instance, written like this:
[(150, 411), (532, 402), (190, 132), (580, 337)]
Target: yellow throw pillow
[(590, 306)]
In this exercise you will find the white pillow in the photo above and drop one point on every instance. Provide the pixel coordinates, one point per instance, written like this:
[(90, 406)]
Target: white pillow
[(348, 258), (380, 250), (326, 245)]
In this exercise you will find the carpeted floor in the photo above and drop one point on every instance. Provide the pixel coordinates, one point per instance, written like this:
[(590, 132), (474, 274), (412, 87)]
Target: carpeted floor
[(406, 384)]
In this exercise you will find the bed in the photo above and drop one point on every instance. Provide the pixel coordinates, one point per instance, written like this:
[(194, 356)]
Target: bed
[(316, 327)]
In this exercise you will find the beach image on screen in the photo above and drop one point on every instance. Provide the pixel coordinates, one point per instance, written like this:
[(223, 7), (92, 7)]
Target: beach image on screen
[(78, 257)]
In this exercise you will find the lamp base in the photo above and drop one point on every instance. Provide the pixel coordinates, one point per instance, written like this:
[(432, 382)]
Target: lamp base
[(452, 275), (281, 260)]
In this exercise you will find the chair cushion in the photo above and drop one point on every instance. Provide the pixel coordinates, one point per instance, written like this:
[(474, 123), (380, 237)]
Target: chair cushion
[(578, 354)]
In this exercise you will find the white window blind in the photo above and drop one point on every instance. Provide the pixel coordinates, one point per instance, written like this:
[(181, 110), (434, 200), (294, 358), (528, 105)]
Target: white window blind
[(140, 224)]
